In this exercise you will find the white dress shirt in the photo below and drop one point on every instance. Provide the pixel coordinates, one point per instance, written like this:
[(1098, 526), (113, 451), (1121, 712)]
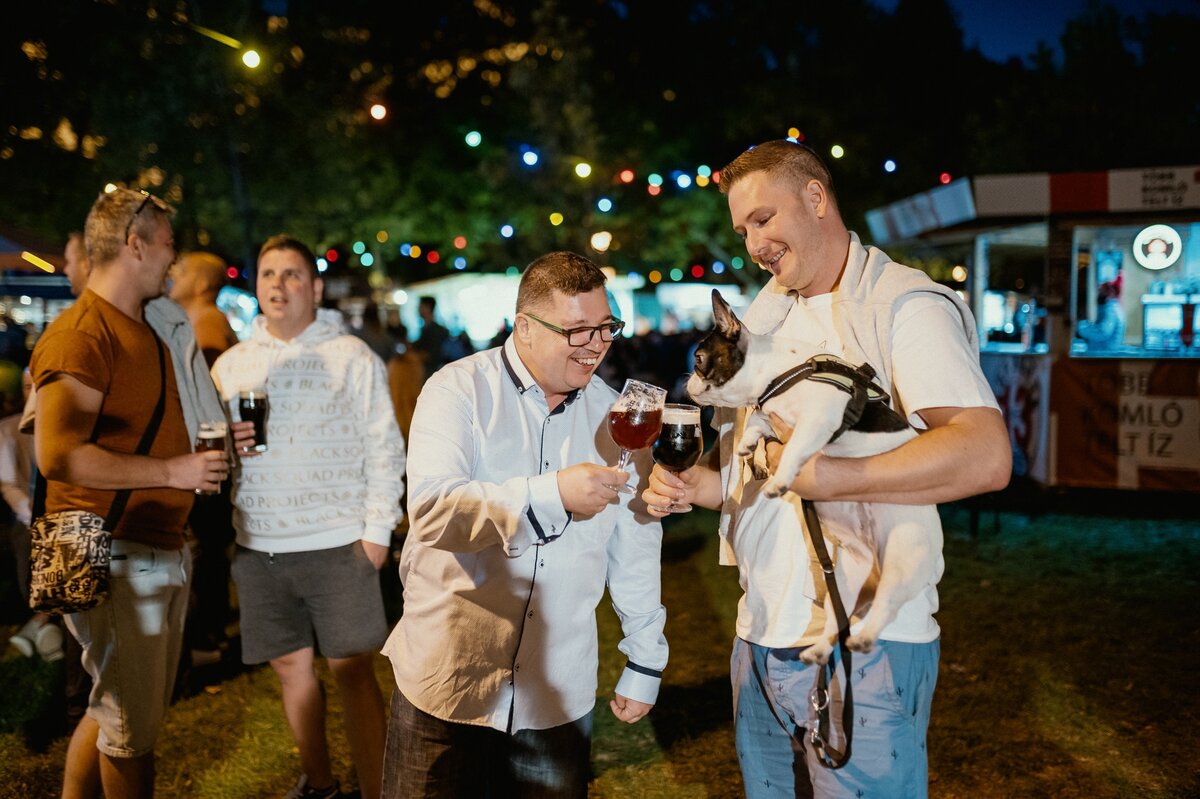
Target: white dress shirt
[(501, 584)]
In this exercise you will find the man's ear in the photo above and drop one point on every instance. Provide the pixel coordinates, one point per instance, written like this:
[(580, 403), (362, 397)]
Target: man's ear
[(726, 321), (521, 328), (818, 198), (318, 291)]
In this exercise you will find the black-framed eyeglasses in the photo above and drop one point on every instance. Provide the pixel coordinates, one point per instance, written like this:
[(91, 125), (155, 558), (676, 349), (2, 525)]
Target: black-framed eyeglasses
[(146, 198), (582, 336)]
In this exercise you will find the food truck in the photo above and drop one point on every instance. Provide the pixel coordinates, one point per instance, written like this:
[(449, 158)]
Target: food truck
[(1086, 292)]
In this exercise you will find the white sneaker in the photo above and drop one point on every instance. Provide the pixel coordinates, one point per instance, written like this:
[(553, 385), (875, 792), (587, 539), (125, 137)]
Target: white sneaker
[(49, 643), (23, 640)]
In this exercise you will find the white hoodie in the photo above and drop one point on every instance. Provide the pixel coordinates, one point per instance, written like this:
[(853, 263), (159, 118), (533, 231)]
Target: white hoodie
[(334, 467)]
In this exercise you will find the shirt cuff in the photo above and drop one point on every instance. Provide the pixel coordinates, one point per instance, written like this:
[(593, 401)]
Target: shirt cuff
[(378, 536), (546, 514), (639, 684)]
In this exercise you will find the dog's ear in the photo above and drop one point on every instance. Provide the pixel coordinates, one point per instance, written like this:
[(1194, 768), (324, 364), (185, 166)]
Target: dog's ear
[(727, 322)]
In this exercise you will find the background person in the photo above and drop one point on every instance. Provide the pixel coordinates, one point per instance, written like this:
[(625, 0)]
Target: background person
[(314, 514), (196, 280)]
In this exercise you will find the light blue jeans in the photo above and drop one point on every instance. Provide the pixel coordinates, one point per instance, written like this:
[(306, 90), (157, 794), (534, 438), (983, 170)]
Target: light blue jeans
[(893, 690)]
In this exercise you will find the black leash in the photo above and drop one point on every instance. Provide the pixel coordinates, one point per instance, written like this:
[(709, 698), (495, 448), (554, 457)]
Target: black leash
[(819, 698)]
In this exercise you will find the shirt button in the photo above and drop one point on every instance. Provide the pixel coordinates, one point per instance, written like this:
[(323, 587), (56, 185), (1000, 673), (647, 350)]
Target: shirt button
[(531, 614), (553, 529), (542, 562), (517, 667)]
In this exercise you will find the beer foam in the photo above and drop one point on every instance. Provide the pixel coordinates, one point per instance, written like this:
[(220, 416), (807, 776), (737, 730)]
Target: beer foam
[(212, 430), (678, 415)]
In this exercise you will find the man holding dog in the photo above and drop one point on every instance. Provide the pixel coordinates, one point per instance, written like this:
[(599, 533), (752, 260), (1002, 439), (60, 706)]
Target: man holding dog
[(827, 288)]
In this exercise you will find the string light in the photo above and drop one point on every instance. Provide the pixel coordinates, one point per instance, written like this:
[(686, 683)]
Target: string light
[(474, 138), (583, 169)]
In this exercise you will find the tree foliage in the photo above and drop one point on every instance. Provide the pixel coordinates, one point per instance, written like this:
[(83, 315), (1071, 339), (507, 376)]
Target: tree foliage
[(135, 92)]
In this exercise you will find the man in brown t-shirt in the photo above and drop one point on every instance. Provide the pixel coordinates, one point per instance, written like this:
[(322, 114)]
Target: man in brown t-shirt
[(98, 381)]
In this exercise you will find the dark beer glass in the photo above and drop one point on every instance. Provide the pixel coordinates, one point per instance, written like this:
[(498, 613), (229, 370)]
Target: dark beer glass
[(253, 407), (680, 444), (634, 421), (210, 436)]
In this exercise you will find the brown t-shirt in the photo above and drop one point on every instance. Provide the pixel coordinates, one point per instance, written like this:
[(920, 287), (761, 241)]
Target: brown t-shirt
[(104, 349)]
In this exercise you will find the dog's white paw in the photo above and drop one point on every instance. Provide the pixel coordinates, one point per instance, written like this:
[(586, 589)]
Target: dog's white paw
[(860, 643), (817, 654), (775, 487), (748, 443)]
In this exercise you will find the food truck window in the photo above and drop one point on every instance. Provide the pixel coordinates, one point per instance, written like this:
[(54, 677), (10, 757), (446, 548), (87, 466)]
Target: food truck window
[(1137, 290), (1011, 268)]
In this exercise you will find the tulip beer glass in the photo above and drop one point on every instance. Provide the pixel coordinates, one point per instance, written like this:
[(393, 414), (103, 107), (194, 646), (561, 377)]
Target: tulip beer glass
[(635, 419), (680, 443)]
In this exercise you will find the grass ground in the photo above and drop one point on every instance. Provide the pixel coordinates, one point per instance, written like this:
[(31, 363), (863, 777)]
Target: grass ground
[(1068, 670)]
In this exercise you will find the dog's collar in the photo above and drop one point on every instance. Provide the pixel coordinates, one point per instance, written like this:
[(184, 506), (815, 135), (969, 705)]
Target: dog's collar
[(857, 381)]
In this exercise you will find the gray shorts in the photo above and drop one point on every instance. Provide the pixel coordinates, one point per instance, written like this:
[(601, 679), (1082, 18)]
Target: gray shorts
[(289, 601)]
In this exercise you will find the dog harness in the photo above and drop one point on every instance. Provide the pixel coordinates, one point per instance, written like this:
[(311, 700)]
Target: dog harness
[(857, 381)]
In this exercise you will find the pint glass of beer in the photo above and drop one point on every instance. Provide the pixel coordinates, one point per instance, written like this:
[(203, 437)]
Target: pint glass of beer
[(210, 436), (253, 407), (680, 444)]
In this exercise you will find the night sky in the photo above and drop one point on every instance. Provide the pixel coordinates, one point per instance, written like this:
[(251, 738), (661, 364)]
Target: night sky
[(1002, 29)]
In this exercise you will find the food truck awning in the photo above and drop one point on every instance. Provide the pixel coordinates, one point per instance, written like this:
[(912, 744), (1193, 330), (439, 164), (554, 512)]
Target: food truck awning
[(1036, 195)]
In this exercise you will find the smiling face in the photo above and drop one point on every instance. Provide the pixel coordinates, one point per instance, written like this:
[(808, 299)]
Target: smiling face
[(558, 367), (792, 234), (288, 293)]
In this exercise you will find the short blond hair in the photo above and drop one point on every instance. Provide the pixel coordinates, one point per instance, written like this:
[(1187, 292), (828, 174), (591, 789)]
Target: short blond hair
[(794, 162), (116, 212)]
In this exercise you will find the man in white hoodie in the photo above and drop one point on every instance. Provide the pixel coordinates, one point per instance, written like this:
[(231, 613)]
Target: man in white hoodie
[(314, 513)]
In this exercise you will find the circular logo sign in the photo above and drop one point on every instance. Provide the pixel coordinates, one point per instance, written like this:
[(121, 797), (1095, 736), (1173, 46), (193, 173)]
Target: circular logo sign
[(1157, 246)]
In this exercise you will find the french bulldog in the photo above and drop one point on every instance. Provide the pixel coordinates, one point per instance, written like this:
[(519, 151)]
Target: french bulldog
[(899, 545)]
